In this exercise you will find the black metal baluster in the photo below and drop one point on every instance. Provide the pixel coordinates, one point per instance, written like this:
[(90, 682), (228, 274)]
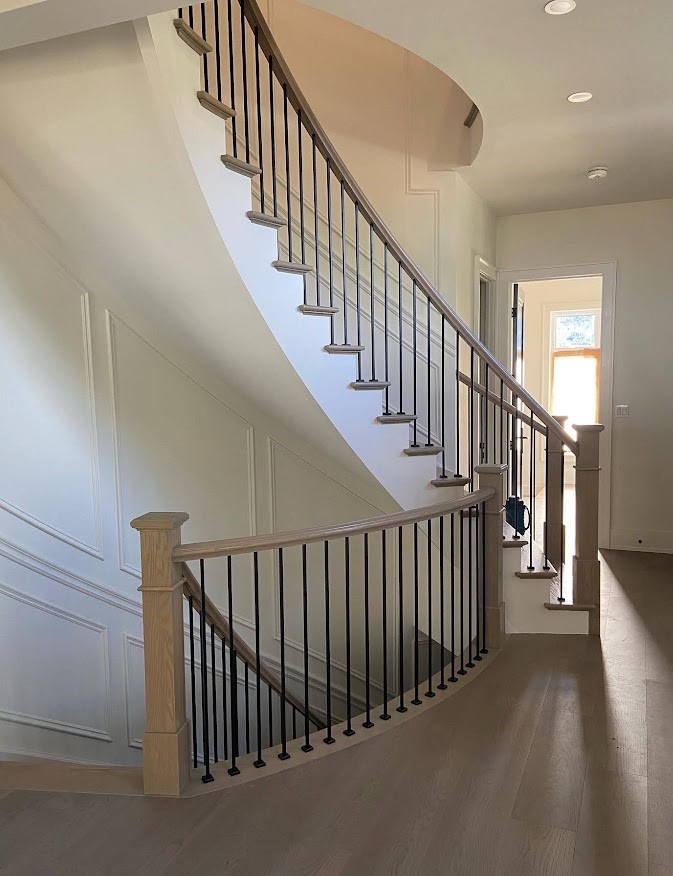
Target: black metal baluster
[(477, 581), (316, 218), (462, 670), (400, 656), (531, 471), (270, 714), (469, 663), (294, 723), (347, 565), (502, 422), (244, 69), (225, 728), (283, 699), (190, 16), (258, 664), (442, 616), (400, 284), (205, 55), (218, 59), (330, 249), (416, 700), (233, 677), (272, 124), (486, 424), (207, 777), (344, 269), (232, 79), (302, 228), (386, 374), (246, 681), (368, 721), (546, 496), (329, 739), (260, 139), (192, 673), (428, 443), (385, 716), (457, 472), (453, 598), (443, 400), (288, 187), (484, 649), (372, 295), (358, 302), (414, 355), (304, 597), (471, 417), (213, 682), (429, 692)]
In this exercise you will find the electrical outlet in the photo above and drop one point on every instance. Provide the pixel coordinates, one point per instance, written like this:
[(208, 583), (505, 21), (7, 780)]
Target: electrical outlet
[(622, 411)]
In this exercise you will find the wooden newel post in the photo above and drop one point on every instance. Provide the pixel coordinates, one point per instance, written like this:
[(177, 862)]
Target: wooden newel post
[(554, 529), (493, 476), (166, 739), (586, 567)]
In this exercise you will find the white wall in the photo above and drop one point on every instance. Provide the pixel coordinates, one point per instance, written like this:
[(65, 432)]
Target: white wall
[(103, 419), (637, 237), (397, 121)]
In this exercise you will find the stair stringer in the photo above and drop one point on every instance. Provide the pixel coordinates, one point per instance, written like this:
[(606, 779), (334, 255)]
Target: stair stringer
[(174, 73)]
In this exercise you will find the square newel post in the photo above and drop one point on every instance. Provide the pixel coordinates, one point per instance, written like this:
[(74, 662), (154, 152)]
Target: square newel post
[(554, 531), (586, 567), (166, 739), (492, 476)]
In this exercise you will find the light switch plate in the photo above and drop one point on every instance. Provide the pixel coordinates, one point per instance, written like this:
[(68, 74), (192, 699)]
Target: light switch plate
[(622, 411)]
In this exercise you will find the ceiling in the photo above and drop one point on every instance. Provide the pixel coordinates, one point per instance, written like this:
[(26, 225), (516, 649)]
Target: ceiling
[(519, 65)]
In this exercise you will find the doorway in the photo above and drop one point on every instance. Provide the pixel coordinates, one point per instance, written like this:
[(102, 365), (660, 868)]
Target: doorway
[(567, 339)]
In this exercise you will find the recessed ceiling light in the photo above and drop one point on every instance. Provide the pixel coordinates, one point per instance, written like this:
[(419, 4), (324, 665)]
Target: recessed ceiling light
[(597, 173), (559, 7), (580, 96)]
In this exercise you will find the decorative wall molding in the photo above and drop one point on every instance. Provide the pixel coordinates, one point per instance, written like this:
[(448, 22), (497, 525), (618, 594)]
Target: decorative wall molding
[(98, 733), (112, 323), (129, 642), (95, 549)]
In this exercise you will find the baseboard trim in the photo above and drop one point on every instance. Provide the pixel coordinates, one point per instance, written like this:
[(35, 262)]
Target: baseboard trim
[(647, 541)]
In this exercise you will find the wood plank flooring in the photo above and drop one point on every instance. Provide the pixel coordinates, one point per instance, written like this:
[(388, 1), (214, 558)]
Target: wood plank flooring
[(556, 761)]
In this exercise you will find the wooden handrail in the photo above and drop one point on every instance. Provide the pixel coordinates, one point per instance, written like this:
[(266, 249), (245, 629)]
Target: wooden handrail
[(192, 588), (511, 409), (327, 150), (231, 546)]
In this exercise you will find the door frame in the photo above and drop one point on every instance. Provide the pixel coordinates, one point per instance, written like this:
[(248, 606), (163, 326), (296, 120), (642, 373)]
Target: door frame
[(485, 270), (608, 273)]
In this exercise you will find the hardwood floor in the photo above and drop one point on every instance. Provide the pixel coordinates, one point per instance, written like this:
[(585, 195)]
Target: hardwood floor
[(555, 762)]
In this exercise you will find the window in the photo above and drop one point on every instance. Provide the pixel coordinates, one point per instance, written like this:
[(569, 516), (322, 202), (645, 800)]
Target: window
[(575, 365)]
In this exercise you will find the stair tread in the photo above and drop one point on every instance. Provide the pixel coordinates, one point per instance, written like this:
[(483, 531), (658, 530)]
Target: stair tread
[(265, 219), (292, 267), (370, 384), (342, 348), (564, 606), (514, 542), (240, 166), (215, 106), (538, 574), (317, 310), (450, 481), (423, 450), (396, 418), (191, 37)]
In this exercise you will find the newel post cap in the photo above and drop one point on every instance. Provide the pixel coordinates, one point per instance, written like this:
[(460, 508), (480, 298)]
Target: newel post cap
[(560, 419), (160, 521)]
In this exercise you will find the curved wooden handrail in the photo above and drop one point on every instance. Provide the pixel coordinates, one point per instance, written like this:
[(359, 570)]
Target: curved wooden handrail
[(327, 150), (231, 546), (480, 389), (191, 587)]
